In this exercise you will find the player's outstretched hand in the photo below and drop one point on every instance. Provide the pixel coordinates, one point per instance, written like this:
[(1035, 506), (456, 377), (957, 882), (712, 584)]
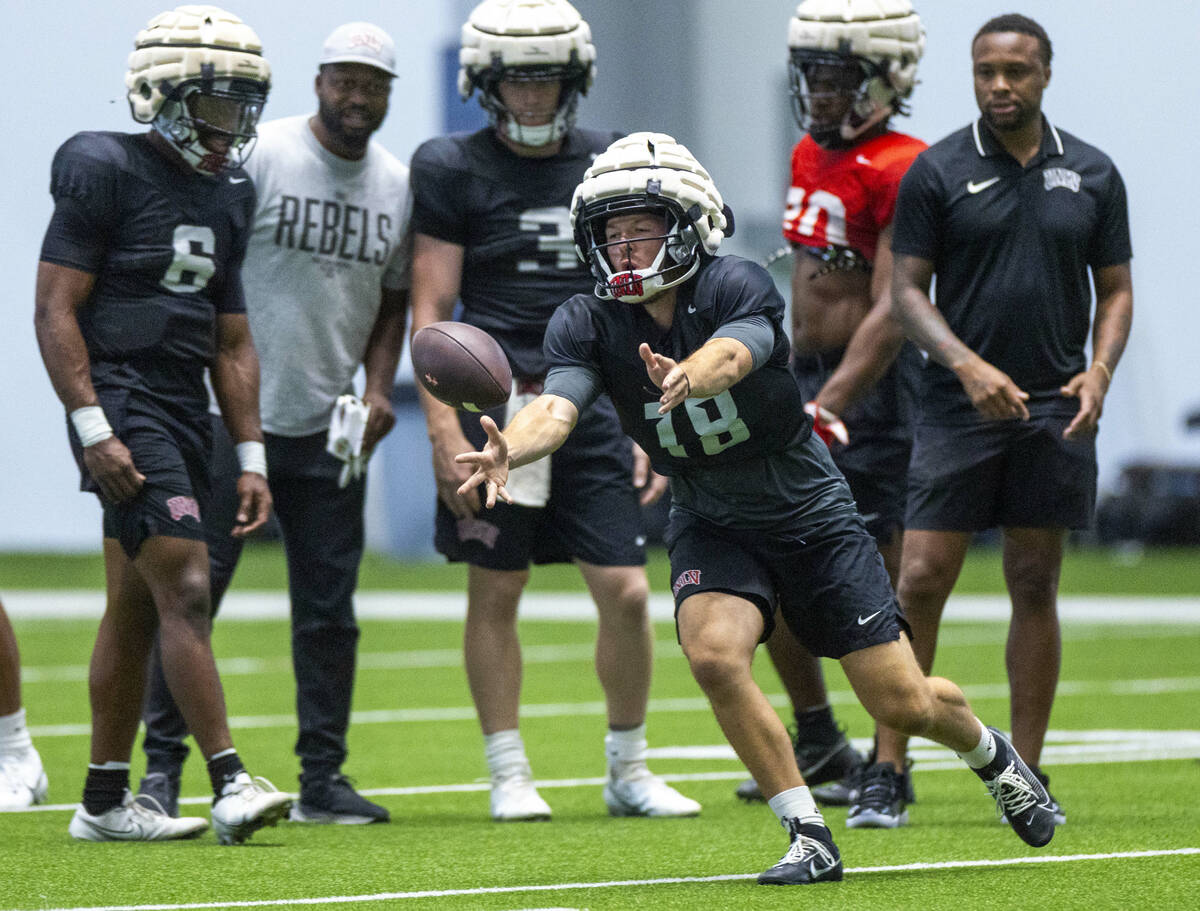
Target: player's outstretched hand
[(111, 466), (1089, 387), (992, 391), (668, 376), (254, 504), (490, 466)]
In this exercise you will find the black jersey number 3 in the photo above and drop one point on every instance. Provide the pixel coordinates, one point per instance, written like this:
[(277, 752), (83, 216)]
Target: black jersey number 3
[(193, 264)]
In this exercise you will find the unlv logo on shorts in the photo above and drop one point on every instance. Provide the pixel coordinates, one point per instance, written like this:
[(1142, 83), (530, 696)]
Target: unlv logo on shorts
[(183, 506), (687, 577), (625, 283)]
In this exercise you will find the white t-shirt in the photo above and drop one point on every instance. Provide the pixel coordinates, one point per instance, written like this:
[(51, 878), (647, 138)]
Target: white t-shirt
[(328, 235)]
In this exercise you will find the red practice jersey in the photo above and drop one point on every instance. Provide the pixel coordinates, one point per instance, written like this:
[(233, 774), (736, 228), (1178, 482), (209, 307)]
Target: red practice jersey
[(845, 197)]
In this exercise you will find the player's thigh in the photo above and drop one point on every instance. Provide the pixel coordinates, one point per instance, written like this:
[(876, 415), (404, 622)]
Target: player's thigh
[(708, 560), (955, 476), (1049, 482), (834, 592)]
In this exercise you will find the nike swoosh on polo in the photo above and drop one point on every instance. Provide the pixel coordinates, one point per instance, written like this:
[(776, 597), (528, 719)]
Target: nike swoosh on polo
[(691, 308), (862, 159), (238, 179), (973, 187), (863, 621)]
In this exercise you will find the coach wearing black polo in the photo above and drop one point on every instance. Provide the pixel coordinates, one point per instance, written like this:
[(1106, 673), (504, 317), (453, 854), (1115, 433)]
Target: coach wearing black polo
[(1010, 213)]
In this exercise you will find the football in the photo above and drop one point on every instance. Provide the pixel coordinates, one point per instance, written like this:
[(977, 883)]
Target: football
[(461, 365)]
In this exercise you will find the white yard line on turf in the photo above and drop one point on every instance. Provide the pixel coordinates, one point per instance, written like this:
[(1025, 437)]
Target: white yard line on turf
[(397, 605), (1062, 748), (628, 883)]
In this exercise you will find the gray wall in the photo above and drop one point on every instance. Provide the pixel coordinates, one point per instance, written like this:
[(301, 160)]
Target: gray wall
[(711, 73)]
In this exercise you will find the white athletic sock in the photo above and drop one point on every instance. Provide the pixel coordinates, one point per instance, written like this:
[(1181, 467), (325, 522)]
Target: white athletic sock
[(984, 752), (505, 752), (626, 751), (796, 803), (109, 766), (14, 736)]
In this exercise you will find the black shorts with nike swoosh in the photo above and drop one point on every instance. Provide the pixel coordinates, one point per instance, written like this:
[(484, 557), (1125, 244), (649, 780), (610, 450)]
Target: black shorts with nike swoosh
[(826, 577)]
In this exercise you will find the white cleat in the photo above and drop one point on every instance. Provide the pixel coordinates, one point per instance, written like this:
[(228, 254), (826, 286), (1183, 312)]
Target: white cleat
[(141, 820), (515, 799), (645, 794), (22, 780), (245, 806)]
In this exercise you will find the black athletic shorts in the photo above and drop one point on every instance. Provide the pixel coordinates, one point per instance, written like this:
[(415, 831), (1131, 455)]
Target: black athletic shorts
[(875, 462), (592, 514), (172, 452), (1006, 474), (826, 578)]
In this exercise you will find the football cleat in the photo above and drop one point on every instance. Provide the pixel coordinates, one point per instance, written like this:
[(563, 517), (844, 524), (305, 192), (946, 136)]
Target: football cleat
[(1020, 797), (811, 858), (515, 799), (23, 781), (334, 800), (161, 788), (1060, 815), (879, 801), (645, 794), (246, 805), (819, 763), (134, 820)]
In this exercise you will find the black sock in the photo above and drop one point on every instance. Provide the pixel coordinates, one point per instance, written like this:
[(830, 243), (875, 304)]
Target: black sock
[(816, 725), (104, 789), (222, 769)]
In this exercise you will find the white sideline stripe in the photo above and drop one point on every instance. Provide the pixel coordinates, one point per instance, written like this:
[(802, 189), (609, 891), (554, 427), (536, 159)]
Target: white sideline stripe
[(1066, 689), (625, 883), (1062, 748), (424, 659), (396, 605)]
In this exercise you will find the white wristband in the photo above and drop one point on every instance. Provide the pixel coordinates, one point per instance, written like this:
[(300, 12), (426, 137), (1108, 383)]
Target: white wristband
[(91, 425), (252, 456)]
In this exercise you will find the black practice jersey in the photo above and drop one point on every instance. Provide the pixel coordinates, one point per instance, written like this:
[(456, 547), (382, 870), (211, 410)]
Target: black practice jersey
[(1011, 247), (745, 457), (760, 414), (512, 217), (166, 249)]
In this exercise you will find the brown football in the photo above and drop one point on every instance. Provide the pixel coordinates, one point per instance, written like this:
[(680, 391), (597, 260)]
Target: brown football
[(461, 365)]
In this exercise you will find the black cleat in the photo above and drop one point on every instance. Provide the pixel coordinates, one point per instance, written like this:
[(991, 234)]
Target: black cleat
[(812, 858), (819, 763), (332, 799), (164, 789), (1060, 815), (1020, 796), (879, 801)]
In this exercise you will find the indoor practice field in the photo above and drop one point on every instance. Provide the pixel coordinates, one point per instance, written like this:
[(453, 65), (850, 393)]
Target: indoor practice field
[(1123, 755)]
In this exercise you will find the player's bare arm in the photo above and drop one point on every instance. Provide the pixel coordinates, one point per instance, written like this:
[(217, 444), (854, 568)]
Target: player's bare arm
[(1110, 332), (235, 383), (992, 391), (436, 276), (875, 342), (60, 292), (379, 364), (536, 430), (709, 370)]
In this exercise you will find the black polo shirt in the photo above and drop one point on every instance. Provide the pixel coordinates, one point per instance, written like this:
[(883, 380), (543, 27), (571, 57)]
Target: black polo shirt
[(1011, 247)]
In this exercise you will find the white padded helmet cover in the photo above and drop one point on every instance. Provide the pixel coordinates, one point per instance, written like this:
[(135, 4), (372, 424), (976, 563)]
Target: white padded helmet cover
[(887, 32)]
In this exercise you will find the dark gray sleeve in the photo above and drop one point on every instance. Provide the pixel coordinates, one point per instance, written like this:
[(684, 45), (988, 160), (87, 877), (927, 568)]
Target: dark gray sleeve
[(755, 332), (578, 385)]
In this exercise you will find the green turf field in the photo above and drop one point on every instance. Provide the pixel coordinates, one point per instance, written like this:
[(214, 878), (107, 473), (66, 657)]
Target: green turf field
[(1122, 756)]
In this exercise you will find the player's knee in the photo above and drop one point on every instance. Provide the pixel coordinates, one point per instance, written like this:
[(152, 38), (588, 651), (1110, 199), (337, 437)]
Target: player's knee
[(713, 666), (923, 580), (906, 709), (187, 600)]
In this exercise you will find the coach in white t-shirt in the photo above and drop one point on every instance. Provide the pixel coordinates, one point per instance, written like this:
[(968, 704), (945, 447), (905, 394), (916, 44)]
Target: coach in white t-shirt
[(326, 279)]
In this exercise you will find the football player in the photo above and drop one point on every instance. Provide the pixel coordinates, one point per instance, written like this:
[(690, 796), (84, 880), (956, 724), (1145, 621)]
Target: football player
[(22, 778), (491, 228), (138, 290), (692, 350), (852, 66)]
